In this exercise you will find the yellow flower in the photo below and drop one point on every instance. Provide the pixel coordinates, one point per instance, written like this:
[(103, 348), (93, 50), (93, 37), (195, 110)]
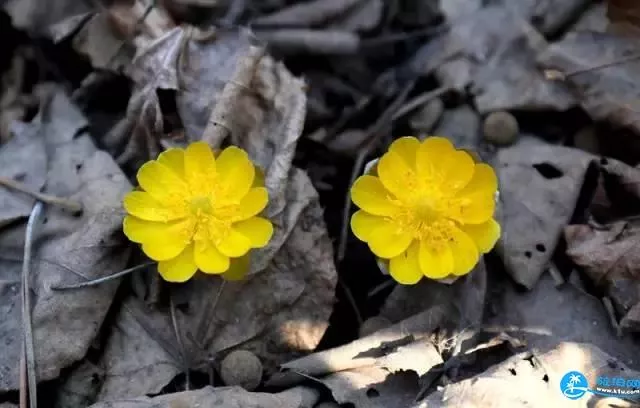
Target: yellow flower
[(196, 211), (428, 211)]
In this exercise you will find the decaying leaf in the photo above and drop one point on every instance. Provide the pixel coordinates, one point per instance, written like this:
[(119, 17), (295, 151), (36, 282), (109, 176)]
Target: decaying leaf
[(493, 51), (26, 146), (548, 16), (531, 379), (607, 252), (226, 397), (547, 315), (610, 92), (539, 187), (66, 248), (80, 387)]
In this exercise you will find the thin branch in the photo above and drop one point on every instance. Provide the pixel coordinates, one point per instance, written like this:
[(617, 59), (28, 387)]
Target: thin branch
[(73, 206), (107, 278), (202, 333), (183, 350), (28, 347)]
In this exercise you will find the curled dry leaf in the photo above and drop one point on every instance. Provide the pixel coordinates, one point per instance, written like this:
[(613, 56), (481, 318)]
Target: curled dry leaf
[(376, 371), (539, 188), (531, 379), (67, 248), (282, 308), (493, 51), (227, 397)]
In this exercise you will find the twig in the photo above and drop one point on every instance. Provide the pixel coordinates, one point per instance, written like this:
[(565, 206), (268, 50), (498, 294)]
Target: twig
[(419, 101), (183, 350), (73, 206), (202, 332), (376, 131), (555, 74), (28, 347), (107, 278), (379, 288), (218, 127), (392, 38), (558, 279)]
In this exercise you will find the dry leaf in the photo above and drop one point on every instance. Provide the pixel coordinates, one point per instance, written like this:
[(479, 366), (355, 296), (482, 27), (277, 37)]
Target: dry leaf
[(37, 16), (531, 379), (223, 397), (606, 84), (539, 188), (23, 159), (546, 315), (66, 249), (493, 51)]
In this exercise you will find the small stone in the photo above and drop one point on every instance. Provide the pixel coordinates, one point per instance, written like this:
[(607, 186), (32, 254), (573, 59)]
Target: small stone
[(327, 405), (373, 324), (501, 128), (427, 116), (241, 368)]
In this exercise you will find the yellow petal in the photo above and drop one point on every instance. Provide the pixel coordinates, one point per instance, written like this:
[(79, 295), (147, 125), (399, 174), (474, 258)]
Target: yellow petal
[(236, 172), (465, 253), (435, 263), (209, 259), (174, 159), (144, 206), (160, 182), (389, 240), (199, 168), (431, 150), (369, 194), (254, 202), (484, 181), (472, 208), (396, 175), (483, 235), (405, 268), (141, 231), (234, 244), (407, 148), (180, 268), (257, 229), (439, 162), (238, 269), (363, 224)]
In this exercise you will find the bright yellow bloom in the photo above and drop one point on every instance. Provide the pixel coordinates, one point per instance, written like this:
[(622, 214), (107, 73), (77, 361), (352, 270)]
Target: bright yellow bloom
[(196, 211), (428, 211)]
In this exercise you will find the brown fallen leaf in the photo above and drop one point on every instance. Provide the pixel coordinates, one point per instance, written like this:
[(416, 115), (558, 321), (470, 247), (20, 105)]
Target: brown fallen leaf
[(624, 17)]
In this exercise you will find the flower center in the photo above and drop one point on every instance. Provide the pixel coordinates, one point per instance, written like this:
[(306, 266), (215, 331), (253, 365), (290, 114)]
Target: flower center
[(200, 205)]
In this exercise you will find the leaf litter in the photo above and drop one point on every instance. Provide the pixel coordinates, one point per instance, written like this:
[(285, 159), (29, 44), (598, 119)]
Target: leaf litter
[(311, 90)]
